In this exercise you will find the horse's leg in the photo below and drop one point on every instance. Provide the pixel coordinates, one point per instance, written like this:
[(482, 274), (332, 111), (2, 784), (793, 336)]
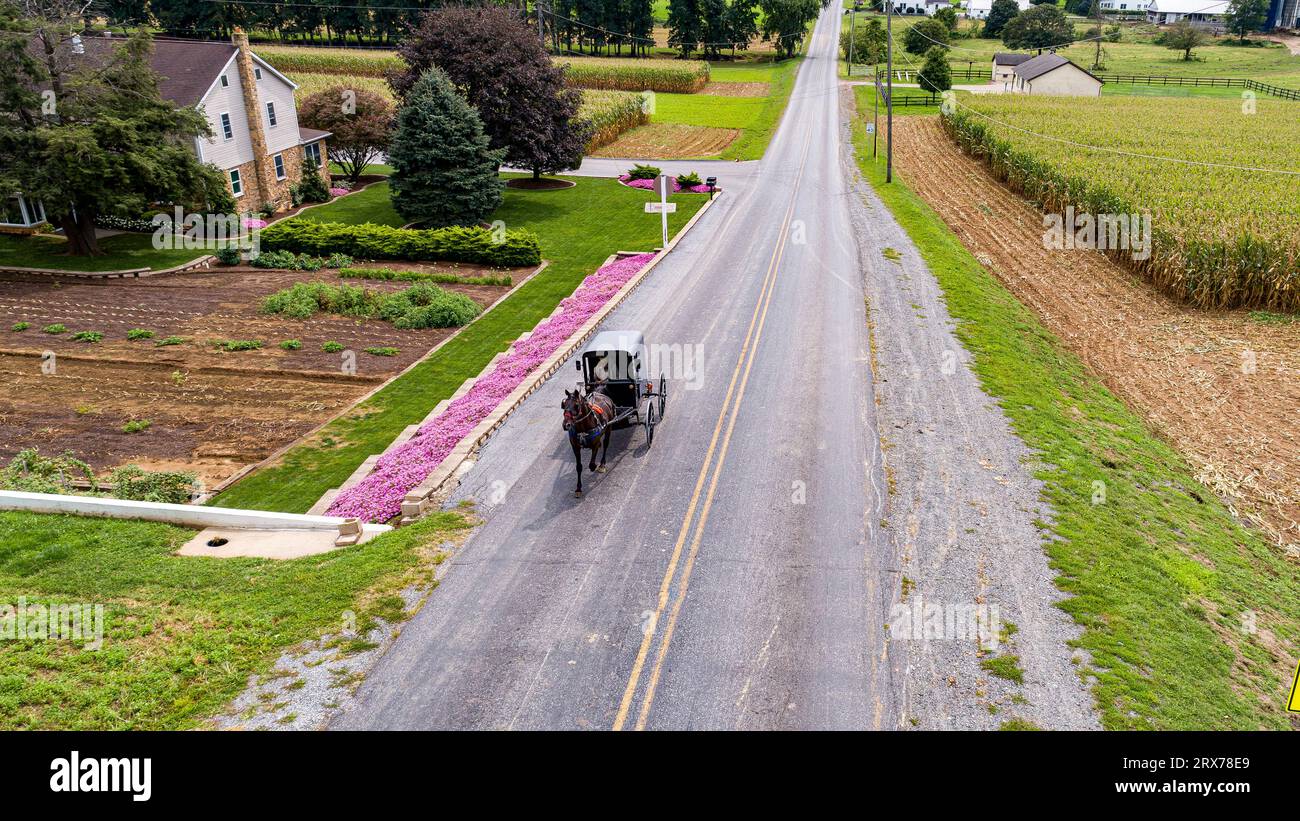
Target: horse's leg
[(577, 457), (595, 447), (604, 449)]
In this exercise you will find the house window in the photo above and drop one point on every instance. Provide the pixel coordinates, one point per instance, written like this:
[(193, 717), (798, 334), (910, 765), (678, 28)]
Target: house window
[(270, 114), (225, 81), (257, 72), (279, 166), (236, 184), (311, 151), (227, 130)]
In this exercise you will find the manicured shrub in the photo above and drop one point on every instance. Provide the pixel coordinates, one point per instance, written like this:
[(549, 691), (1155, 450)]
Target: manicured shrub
[(427, 306), (643, 172), (138, 333), (229, 255), (473, 245), (56, 328), (689, 180), (312, 188)]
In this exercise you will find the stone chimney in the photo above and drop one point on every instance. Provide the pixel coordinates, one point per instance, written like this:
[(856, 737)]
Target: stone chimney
[(266, 182)]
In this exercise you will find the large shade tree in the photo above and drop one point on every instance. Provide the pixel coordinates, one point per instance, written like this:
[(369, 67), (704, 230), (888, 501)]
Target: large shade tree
[(1001, 13), (1038, 27), (785, 23), (360, 122), (444, 172), (518, 93), (86, 132)]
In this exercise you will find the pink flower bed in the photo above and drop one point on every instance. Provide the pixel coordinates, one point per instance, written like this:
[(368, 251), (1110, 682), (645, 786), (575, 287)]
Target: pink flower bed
[(649, 185), (254, 223), (378, 497), (338, 192)]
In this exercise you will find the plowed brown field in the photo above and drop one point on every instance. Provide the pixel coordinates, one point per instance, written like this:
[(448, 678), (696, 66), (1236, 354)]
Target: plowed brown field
[(670, 141), (1222, 387), (211, 412)]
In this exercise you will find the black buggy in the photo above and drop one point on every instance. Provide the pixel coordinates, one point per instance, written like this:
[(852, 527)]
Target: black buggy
[(612, 364)]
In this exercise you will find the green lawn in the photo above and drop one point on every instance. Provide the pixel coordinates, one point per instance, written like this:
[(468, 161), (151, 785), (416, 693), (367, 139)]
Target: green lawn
[(371, 204), (579, 227), (181, 634), (121, 252), (1161, 575)]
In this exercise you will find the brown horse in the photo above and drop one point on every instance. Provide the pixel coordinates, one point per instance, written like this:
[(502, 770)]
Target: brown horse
[(587, 418)]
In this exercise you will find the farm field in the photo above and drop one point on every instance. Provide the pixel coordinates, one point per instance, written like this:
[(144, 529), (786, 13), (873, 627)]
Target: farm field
[(727, 121), (1160, 572), (1223, 235), (209, 411)]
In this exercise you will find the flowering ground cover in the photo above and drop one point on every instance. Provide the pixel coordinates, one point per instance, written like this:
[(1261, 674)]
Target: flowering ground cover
[(378, 497)]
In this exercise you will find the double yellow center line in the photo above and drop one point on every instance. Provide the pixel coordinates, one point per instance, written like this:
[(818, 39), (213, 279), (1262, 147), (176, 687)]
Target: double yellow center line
[(728, 415)]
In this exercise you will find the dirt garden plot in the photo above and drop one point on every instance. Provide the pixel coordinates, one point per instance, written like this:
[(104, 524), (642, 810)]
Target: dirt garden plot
[(1222, 387), (209, 411), (737, 89), (668, 141)]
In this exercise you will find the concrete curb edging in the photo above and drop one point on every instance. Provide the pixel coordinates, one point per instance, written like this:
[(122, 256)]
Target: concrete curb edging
[(424, 495), (191, 515)]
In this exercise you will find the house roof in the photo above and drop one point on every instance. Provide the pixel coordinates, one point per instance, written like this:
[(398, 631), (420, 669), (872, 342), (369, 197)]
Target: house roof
[(1043, 63), (1189, 6), (1003, 58), (187, 68), (311, 135)]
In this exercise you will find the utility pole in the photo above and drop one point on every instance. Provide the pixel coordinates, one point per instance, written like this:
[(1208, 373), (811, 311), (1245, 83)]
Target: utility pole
[(889, 96)]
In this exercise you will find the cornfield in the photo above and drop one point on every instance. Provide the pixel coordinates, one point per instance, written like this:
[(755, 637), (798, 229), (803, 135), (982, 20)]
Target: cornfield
[(350, 61), (1222, 237), (611, 113), (613, 73), (311, 83), (607, 73)]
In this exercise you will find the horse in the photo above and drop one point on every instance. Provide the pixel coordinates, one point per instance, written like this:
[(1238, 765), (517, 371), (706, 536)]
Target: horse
[(587, 421)]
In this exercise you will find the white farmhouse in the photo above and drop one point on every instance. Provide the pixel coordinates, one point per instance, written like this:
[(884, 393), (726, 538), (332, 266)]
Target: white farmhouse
[(979, 9), (1053, 74), (1167, 12)]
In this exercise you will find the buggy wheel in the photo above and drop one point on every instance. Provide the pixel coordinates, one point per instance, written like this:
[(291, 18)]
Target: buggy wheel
[(663, 395), (650, 420)]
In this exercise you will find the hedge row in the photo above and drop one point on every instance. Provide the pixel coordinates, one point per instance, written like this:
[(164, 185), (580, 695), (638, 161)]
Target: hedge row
[(476, 245)]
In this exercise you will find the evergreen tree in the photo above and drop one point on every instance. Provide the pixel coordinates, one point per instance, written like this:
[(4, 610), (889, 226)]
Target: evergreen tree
[(444, 173), (935, 76)]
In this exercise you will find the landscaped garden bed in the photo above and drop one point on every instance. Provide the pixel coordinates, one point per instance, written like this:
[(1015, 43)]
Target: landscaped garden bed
[(220, 382)]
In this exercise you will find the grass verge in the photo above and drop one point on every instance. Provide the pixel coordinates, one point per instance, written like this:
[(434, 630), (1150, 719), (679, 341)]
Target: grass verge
[(579, 227), (1191, 619), (121, 252), (181, 634)]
